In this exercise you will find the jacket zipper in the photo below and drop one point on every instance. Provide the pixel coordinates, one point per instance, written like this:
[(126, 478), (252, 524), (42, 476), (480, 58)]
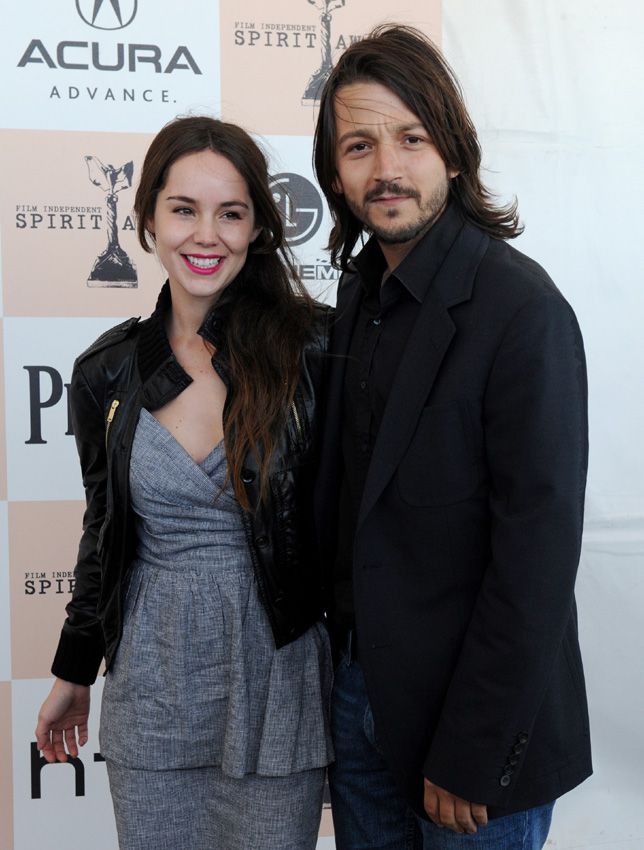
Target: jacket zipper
[(110, 416), (296, 417)]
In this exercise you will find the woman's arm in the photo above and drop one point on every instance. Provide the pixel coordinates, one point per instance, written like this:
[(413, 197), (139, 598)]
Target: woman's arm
[(81, 646), (62, 721)]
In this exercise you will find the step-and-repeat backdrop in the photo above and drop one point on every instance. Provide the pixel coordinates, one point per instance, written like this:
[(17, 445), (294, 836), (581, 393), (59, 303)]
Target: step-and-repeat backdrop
[(85, 84)]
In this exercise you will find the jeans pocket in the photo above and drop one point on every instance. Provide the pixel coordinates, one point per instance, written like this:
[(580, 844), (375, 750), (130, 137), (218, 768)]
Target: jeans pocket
[(370, 730)]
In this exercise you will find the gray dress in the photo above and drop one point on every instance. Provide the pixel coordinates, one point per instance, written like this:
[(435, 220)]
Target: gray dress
[(197, 680)]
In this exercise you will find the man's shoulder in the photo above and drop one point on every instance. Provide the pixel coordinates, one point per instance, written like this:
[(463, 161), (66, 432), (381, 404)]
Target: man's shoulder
[(509, 276)]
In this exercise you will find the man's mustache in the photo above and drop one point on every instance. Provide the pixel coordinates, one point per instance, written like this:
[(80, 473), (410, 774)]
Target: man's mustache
[(390, 189)]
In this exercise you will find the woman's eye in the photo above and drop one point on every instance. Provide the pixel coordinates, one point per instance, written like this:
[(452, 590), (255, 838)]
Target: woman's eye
[(183, 211), (231, 215)]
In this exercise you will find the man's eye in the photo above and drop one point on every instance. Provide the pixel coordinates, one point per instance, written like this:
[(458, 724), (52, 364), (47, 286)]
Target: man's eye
[(358, 147)]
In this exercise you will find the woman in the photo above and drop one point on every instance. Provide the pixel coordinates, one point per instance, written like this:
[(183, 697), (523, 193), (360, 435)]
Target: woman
[(196, 577)]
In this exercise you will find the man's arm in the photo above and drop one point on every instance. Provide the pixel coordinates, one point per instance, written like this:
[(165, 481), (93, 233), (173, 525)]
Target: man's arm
[(535, 430)]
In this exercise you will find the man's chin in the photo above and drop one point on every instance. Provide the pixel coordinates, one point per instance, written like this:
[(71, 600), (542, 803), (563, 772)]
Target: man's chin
[(399, 236)]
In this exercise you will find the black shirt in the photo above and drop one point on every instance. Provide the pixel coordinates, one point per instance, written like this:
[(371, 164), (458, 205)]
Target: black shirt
[(388, 311)]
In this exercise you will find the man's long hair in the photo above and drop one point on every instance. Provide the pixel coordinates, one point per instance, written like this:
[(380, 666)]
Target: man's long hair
[(405, 61)]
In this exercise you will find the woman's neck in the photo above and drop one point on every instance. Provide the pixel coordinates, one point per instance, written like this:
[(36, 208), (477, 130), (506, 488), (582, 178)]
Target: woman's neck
[(187, 314)]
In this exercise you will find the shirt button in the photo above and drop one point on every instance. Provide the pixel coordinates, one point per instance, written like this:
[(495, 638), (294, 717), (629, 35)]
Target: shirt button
[(505, 780), (363, 385), (261, 541), (376, 321)]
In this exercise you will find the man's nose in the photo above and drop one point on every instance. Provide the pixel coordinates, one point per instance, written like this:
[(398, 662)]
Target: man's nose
[(388, 164)]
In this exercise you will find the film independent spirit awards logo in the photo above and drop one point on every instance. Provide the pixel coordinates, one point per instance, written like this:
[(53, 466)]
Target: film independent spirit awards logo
[(317, 80), (112, 267), (107, 14)]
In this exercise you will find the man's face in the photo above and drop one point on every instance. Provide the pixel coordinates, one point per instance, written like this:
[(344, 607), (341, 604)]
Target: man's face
[(391, 175)]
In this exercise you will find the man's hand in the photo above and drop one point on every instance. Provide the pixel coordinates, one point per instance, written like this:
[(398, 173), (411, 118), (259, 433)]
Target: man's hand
[(446, 809)]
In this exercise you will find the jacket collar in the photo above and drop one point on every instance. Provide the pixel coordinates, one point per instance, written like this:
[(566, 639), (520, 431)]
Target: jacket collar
[(162, 376), (421, 266)]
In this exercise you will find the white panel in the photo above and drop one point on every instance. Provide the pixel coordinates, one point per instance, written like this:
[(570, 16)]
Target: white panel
[(61, 817), (308, 222), (53, 65), (46, 470)]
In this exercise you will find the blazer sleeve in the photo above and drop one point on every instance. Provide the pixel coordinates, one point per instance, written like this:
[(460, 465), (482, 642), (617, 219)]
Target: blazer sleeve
[(81, 645), (535, 428)]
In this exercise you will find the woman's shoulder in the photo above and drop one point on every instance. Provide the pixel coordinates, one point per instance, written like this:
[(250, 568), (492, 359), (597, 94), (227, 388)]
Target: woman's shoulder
[(112, 337), (320, 326)]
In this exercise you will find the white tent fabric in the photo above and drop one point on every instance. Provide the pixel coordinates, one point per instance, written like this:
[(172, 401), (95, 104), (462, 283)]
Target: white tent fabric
[(555, 89)]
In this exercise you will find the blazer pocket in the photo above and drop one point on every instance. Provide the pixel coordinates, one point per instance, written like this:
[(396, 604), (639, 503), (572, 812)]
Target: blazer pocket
[(441, 465)]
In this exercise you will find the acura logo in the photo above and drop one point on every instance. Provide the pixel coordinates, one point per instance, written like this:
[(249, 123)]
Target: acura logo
[(107, 14)]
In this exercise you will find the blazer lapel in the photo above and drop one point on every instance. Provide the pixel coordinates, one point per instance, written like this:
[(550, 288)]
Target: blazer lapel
[(421, 361), (326, 491)]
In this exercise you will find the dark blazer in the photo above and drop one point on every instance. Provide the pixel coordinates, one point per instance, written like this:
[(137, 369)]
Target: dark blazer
[(469, 532)]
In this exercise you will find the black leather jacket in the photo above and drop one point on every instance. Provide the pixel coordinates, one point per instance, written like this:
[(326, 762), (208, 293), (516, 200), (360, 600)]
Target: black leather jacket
[(130, 367)]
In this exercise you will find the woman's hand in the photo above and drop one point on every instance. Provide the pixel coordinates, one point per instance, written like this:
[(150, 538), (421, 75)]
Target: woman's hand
[(62, 721)]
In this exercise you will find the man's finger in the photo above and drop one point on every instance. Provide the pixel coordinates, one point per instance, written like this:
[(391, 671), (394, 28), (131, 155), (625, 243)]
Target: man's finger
[(463, 815), (447, 814), (430, 803), (479, 813)]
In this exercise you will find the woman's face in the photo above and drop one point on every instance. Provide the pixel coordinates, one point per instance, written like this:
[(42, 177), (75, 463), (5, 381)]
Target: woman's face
[(203, 223)]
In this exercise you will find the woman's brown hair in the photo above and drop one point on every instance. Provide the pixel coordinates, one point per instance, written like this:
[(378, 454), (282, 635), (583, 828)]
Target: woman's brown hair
[(405, 61), (268, 312)]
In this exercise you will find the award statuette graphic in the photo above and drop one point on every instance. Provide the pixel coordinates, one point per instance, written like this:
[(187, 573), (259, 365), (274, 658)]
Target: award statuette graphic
[(112, 267), (311, 94)]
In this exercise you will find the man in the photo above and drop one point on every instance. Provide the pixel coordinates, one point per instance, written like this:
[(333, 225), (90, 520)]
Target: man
[(450, 499)]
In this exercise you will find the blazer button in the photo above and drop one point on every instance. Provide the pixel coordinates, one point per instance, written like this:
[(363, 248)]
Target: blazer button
[(247, 476), (505, 780), (261, 541)]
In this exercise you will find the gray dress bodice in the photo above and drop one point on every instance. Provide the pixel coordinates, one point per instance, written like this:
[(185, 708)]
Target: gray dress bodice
[(197, 679)]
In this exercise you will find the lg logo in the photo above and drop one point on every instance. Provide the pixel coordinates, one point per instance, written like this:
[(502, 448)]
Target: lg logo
[(107, 14), (300, 204)]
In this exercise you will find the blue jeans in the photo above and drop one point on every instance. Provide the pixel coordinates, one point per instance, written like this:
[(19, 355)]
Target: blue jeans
[(369, 812)]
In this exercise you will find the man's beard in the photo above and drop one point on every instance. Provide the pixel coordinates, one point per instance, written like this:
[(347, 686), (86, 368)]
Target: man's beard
[(427, 213)]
